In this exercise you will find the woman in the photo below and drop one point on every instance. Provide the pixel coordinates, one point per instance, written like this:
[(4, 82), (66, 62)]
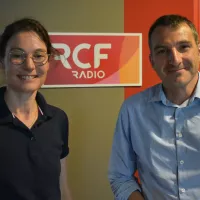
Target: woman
[(33, 134)]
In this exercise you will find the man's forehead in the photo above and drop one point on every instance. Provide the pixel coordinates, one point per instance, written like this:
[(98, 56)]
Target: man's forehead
[(171, 28), (165, 34)]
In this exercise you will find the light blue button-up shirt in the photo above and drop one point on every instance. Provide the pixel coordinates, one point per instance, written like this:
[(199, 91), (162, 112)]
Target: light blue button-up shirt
[(162, 141)]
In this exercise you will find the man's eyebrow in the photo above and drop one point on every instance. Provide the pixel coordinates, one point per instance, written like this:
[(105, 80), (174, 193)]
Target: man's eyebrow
[(159, 46), (184, 42)]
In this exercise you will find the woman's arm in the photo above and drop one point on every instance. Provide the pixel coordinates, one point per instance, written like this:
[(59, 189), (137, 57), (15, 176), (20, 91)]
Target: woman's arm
[(65, 192)]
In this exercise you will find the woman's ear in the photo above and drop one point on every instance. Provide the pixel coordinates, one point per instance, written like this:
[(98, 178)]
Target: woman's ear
[(1, 65), (2, 73)]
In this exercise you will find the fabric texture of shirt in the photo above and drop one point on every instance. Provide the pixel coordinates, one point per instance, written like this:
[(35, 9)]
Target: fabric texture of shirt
[(162, 141), (30, 158)]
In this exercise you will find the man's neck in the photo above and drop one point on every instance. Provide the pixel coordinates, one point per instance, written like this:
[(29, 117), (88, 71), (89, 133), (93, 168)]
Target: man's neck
[(178, 95)]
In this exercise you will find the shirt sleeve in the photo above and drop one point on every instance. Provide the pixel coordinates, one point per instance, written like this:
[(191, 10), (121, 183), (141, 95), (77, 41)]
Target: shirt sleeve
[(65, 133), (122, 164)]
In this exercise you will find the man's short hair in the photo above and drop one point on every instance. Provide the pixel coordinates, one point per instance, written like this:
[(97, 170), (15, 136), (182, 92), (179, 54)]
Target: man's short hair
[(173, 21)]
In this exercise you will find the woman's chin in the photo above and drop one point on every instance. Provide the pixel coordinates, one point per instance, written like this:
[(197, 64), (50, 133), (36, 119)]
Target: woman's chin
[(25, 88)]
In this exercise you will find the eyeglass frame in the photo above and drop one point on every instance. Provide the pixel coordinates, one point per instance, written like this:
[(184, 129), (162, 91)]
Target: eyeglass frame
[(25, 55)]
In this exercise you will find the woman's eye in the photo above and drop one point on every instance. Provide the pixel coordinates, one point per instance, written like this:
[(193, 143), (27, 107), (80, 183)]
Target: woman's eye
[(38, 56), (16, 56)]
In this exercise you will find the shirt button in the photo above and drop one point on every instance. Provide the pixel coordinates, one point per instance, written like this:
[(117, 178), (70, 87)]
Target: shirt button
[(182, 190), (32, 138), (181, 162), (180, 135)]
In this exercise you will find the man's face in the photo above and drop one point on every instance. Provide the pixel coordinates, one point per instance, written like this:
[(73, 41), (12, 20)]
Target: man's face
[(174, 55)]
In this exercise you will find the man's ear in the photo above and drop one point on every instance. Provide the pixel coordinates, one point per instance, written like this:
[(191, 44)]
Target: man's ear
[(150, 58), (151, 61), (199, 49)]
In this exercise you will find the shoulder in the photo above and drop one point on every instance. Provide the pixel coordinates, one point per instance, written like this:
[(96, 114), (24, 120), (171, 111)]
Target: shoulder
[(57, 112), (58, 118), (142, 98), (50, 110)]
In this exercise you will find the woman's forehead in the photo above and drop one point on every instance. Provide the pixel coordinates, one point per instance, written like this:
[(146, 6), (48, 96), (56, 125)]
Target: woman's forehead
[(27, 41)]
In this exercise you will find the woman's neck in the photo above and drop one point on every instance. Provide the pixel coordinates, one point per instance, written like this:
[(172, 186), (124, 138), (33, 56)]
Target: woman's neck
[(20, 103)]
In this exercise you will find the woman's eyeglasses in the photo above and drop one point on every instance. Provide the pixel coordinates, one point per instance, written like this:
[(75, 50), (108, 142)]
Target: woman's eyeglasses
[(18, 57)]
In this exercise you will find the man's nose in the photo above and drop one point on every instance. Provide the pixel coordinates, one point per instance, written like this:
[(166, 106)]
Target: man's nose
[(175, 57)]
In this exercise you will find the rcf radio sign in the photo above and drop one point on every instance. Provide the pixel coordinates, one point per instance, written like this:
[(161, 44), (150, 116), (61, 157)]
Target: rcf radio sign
[(95, 60)]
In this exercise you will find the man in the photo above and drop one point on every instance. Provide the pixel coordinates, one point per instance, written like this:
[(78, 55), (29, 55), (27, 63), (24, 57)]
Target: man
[(158, 130)]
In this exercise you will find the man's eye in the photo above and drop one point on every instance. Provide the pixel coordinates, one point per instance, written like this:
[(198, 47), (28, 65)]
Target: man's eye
[(161, 51), (184, 47)]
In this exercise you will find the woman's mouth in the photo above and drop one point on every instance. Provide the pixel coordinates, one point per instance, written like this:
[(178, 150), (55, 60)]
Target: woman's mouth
[(27, 77)]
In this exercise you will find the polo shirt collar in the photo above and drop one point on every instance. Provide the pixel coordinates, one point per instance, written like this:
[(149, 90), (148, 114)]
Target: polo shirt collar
[(6, 115), (43, 105)]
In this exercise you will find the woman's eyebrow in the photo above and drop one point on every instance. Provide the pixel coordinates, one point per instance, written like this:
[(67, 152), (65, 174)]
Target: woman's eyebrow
[(16, 48)]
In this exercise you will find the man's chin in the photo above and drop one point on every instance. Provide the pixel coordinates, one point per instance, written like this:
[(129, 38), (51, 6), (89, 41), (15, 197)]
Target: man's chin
[(175, 83)]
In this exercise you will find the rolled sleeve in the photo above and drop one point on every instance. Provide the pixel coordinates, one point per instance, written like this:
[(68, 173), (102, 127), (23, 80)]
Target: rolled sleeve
[(123, 159)]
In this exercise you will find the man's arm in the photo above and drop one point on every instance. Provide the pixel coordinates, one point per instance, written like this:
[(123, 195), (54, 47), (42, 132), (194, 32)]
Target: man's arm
[(65, 192), (123, 161)]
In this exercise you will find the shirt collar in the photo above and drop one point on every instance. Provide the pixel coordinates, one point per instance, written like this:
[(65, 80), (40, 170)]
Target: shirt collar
[(197, 89), (158, 94), (6, 115), (43, 105)]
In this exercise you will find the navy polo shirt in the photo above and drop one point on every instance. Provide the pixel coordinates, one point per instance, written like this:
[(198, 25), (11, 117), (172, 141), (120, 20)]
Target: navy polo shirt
[(30, 158)]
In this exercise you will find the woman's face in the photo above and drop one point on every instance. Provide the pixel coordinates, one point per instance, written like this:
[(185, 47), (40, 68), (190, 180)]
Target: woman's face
[(25, 62)]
